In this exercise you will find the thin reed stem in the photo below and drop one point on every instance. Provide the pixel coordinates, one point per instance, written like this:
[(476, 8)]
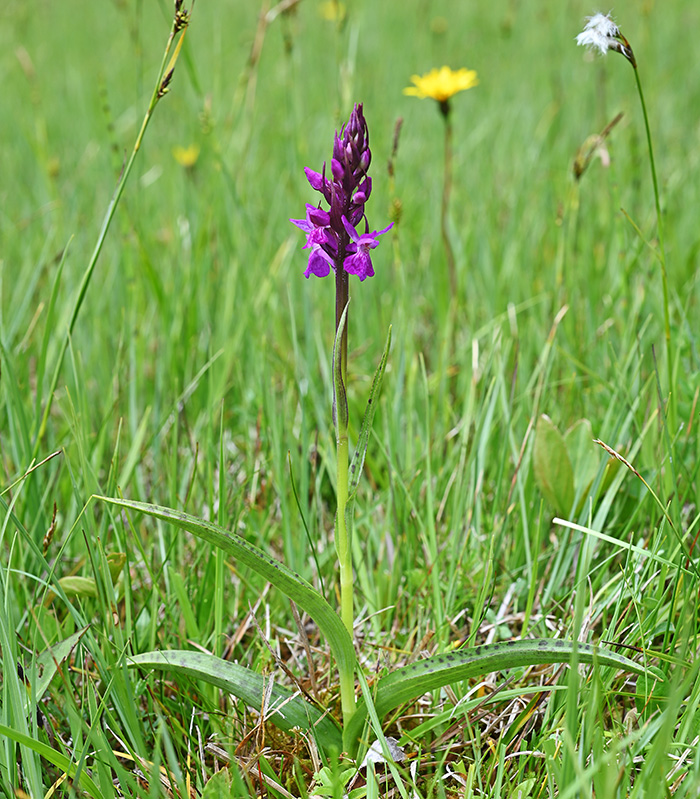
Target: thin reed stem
[(342, 535), (165, 73), (662, 259)]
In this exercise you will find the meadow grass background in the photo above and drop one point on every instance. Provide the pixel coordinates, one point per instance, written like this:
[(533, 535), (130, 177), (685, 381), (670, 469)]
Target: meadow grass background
[(197, 377)]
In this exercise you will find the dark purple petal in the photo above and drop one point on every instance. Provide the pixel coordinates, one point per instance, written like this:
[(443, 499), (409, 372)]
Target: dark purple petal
[(317, 216), (337, 169), (354, 235), (316, 179)]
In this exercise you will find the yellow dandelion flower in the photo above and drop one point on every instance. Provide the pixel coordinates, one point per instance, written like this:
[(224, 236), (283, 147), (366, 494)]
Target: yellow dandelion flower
[(441, 84), (186, 156)]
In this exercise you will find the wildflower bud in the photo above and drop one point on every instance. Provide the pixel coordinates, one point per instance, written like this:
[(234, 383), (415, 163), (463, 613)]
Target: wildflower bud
[(319, 217), (337, 169), (315, 179)]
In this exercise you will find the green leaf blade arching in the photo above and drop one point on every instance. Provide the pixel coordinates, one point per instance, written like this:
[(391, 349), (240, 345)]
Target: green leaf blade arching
[(284, 709), (291, 584), (410, 682)]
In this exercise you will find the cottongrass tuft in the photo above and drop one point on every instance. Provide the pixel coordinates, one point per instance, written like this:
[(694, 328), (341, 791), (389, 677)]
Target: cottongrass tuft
[(602, 33)]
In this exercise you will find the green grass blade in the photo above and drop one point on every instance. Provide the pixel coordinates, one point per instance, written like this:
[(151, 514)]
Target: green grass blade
[(286, 710), (358, 459), (49, 332), (168, 63), (291, 584), (340, 398), (409, 682), (57, 758)]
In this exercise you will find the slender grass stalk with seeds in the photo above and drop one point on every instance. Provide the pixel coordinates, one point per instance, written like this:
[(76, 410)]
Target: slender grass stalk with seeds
[(181, 20), (602, 33)]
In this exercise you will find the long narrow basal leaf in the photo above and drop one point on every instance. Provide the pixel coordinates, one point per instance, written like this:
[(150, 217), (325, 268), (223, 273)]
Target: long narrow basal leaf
[(287, 581), (409, 682), (286, 710), (358, 459)]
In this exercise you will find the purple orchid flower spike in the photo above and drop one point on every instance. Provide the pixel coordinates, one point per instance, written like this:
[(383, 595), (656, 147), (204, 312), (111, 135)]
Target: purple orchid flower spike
[(332, 235)]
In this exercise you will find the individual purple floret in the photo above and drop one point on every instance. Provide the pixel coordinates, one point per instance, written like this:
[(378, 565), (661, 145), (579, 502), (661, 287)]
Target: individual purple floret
[(332, 235), (318, 235), (359, 262)]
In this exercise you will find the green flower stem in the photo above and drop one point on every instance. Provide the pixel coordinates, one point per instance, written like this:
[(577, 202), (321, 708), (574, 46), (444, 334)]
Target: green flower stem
[(343, 544), (662, 258), (342, 288), (445, 206), (342, 537), (164, 77)]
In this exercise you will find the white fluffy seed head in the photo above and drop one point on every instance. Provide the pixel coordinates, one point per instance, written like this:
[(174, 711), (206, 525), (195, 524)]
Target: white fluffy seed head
[(599, 33)]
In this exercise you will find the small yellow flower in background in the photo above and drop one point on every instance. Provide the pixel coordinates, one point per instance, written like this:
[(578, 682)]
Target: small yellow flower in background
[(186, 156), (441, 84), (332, 10)]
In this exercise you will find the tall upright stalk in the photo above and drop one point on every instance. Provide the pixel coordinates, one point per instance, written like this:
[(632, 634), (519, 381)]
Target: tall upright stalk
[(181, 20), (445, 204), (340, 417), (343, 542), (662, 260), (602, 33)]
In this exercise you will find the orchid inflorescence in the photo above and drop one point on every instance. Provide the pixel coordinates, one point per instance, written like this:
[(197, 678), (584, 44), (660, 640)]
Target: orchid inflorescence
[(332, 235)]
